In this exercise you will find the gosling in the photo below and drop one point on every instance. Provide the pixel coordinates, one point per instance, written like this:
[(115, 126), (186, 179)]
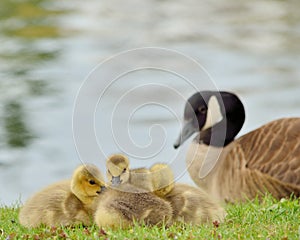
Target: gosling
[(67, 202), (125, 202), (190, 204), (118, 172)]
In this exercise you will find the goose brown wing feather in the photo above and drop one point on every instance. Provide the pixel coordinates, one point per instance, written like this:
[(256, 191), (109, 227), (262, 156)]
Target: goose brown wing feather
[(274, 150), (259, 182), (247, 183)]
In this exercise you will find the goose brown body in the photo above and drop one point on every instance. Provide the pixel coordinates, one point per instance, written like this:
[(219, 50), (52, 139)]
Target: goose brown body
[(265, 160), (65, 203), (253, 164)]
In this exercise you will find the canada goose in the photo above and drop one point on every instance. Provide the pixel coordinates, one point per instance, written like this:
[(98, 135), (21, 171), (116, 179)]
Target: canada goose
[(121, 206), (264, 160), (189, 204), (67, 202), (118, 172)]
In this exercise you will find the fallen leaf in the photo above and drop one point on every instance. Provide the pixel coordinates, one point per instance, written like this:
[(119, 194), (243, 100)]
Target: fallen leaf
[(102, 232), (216, 223)]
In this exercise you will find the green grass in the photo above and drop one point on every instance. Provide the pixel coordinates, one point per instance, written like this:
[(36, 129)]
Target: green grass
[(270, 219)]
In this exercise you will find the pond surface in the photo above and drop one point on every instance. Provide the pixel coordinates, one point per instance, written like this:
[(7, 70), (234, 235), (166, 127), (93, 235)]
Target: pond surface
[(49, 47)]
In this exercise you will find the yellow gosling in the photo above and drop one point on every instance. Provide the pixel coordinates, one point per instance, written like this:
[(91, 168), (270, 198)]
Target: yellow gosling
[(189, 204), (119, 172), (67, 202)]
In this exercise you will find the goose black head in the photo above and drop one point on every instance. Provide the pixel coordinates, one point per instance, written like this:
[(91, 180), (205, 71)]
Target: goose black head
[(217, 116)]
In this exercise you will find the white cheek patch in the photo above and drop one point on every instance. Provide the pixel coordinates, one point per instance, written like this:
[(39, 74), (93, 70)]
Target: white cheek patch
[(214, 114)]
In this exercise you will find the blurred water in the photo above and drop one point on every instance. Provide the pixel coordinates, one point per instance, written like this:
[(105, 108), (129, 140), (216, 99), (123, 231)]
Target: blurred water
[(49, 47)]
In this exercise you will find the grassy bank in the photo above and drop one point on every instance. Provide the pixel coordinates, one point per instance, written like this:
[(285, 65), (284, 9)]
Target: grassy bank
[(269, 220)]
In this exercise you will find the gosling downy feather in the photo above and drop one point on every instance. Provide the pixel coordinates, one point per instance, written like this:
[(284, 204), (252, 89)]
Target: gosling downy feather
[(193, 205), (126, 200), (67, 202), (118, 172), (162, 179), (190, 204), (264, 160), (122, 206)]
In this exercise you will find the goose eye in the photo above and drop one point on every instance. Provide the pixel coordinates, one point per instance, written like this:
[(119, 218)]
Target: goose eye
[(202, 109), (92, 182)]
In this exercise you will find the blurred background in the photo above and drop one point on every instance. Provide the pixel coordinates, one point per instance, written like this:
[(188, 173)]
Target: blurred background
[(47, 48)]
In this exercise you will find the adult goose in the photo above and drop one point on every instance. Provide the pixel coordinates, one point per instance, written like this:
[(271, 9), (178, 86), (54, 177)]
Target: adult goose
[(266, 160)]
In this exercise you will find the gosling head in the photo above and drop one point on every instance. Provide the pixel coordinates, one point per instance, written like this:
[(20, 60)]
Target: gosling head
[(87, 182), (117, 169), (162, 179)]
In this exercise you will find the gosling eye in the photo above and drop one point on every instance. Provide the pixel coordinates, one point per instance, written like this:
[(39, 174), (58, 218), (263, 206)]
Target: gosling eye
[(124, 170), (92, 182)]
